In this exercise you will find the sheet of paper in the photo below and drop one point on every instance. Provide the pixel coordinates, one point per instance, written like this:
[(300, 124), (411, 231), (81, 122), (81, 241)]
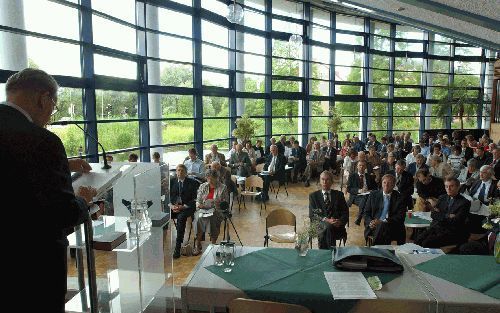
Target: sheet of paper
[(349, 285)]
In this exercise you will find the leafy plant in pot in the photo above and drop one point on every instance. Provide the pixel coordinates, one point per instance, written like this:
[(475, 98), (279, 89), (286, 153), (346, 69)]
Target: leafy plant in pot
[(305, 235), (245, 128)]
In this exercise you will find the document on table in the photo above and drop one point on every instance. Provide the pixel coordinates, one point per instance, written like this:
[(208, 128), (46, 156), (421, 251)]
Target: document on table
[(349, 285)]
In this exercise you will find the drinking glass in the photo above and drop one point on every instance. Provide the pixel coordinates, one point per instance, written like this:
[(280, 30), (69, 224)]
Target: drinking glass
[(228, 256)]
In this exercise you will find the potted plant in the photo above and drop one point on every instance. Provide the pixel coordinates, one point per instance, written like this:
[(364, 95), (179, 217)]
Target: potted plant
[(335, 122), (492, 223), (245, 128)]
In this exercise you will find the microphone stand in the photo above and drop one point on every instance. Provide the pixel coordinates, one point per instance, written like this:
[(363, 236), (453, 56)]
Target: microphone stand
[(106, 165)]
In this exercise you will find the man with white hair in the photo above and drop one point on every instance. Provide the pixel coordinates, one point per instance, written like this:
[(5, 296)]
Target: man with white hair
[(484, 189), (214, 155), (37, 168)]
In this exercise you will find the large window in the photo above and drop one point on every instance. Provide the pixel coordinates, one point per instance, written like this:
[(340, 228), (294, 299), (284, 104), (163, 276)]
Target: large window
[(192, 72)]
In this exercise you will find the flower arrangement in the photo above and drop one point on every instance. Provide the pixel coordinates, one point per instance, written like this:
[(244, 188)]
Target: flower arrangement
[(493, 220)]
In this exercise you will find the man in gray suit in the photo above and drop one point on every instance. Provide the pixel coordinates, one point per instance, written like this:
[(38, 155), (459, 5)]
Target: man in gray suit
[(240, 162)]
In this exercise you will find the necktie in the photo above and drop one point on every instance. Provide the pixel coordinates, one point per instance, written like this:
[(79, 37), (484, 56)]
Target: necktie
[(327, 198), (386, 207), (180, 187), (450, 203), (362, 181), (272, 165), (398, 180), (482, 192)]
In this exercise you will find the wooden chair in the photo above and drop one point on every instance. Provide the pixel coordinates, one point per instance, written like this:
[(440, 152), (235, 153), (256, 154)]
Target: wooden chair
[(241, 305), (251, 183), (259, 167), (280, 217)]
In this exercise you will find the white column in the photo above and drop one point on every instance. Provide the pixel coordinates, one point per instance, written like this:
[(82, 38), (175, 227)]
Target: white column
[(13, 54), (154, 100), (240, 78)]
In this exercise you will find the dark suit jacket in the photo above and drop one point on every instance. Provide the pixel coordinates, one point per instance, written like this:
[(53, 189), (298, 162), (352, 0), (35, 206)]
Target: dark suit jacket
[(454, 225), (332, 156), (337, 209), (468, 154), (412, 168), (405, 148), (384, 169), (434, 189), (281, 148), (36, 169), (396, 216), (492, 193), (301, 154), (496, 167), (406, 188), (260, 149), (188, 194), (485, 160), (354, 183), (279, 167)]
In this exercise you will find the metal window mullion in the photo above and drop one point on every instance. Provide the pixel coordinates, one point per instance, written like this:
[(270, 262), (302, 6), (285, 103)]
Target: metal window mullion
[(451, 79), (333, 40), (88, 96), (392, 61), (197, 78), (142, 78), (268, 79), (307, 70), (366, 77), (232, 81), (482, 79), (425, 69)]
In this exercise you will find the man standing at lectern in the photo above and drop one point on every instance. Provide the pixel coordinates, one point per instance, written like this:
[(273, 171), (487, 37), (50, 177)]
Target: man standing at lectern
[(35, 165)]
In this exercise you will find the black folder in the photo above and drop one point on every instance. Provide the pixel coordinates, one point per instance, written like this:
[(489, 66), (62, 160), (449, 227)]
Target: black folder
[(366, 259)]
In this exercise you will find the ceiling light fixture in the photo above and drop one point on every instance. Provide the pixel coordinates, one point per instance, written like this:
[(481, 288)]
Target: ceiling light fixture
[(234, 13), (356, 7)]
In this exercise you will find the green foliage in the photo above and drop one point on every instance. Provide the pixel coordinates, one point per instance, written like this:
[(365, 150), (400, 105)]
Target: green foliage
[(245, 128), (458, 103), (335, 122)]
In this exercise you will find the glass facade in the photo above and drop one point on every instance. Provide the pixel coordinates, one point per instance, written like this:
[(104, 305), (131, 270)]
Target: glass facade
[(176, 74)]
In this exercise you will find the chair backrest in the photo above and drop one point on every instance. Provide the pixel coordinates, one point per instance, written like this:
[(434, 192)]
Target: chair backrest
[(259, 167), (280, 217), (254, 181), (241, 305)]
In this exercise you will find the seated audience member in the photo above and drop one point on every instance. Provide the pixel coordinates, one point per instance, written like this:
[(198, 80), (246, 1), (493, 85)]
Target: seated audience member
[(214, 155), (410, 158), (362, 157), (383, 147), (183, 192), (448, 219), (484, 189), (389, 166), (385, 214), (429, 189), (251, 153), (495, 164), (373, 158), (471, 141), (157, 158), (233, 148), (329, 209), (372, 141), (224, 177), (456, 161), (133, 157), (240, 162), (424, 149), (315, 162), (281, 145), (346, 146), (330, 153), (406, 146), (336, 142), (483, 157), (208, 215), (455, 138), (109, 158), (358, 145), (291, 140), (404, 184), (419, 164), (350, 162), (469, 175), (268, 148), (323, 141), (467, 152), (259, 152), (310, 145), (436, 150), (438, 168), (391, 148), (445, 148), (195, 167), (299, 160), (275, 165), (360, 182)]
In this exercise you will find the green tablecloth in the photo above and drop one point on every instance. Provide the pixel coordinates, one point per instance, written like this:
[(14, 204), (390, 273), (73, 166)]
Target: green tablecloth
[(476, 272), (281, 275), (416, 220)]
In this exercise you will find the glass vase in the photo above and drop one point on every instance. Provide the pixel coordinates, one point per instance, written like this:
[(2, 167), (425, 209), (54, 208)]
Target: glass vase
[(302, 245)]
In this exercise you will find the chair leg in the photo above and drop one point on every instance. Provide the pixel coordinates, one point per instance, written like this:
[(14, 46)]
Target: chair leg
[(278, 190), (286, 190)]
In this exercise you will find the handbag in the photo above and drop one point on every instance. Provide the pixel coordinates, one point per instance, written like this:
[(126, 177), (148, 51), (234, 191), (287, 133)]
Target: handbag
[(366, 259), (187, 249)]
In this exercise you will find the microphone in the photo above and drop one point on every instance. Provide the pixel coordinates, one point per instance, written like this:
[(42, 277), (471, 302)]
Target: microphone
[(106, 165)]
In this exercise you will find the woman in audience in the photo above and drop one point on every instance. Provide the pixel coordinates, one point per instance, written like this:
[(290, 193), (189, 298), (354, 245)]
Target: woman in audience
[(467, 152), (309, 146), (439, 168), (346, 146), (389, 166), (469, 175), (208, 215), (251, 154), (455, 160), (349, 160), (418, 164), (259, 152)]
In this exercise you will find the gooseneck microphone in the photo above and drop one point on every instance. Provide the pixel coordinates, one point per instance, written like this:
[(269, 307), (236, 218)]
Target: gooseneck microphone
[(106, 165)]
